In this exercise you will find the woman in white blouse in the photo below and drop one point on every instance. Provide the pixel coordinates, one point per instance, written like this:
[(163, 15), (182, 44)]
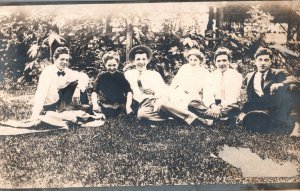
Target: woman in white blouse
[(188, 85)]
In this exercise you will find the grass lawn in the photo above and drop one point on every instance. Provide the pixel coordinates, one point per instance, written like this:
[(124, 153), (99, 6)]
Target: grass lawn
[(123, 152)]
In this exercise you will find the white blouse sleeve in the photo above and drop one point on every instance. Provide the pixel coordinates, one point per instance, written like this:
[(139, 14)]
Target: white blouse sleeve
[(41, 92), (82, 78), (208, 88), (176, 79), (161, 87)]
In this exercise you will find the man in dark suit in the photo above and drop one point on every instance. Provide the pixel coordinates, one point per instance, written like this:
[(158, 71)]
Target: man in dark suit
[(273, 92)]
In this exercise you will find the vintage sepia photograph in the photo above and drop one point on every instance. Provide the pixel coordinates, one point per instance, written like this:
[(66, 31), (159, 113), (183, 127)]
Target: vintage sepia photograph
[(169, 95)]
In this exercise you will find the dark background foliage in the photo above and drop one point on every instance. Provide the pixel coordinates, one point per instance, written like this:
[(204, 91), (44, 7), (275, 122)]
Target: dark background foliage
[(28, 42)]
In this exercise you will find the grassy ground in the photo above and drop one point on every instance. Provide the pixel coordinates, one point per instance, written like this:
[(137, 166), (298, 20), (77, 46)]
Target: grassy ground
[(123, 152)]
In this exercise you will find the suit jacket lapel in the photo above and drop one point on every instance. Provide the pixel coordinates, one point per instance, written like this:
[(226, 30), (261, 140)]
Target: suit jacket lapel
[(269, 78), (250, 77)]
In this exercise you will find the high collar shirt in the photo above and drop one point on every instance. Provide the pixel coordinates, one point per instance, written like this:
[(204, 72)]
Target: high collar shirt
[(50, 83), (150, 80), (257, 82), (189, 84), (225, 86)]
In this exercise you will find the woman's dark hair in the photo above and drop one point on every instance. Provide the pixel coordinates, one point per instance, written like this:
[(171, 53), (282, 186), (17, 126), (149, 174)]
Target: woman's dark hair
[(110, 55)]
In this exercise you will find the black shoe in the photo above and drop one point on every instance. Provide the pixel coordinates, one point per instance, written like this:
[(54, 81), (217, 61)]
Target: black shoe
[(231, 121)]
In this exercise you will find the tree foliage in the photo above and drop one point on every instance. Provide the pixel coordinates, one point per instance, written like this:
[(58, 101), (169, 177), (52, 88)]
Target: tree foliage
[(28, 42)]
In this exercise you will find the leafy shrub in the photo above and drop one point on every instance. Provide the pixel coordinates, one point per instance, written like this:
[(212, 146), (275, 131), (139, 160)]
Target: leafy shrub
[(28, 42)]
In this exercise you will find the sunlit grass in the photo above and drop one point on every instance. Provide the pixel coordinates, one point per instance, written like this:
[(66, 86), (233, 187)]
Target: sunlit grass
[(123, 152)]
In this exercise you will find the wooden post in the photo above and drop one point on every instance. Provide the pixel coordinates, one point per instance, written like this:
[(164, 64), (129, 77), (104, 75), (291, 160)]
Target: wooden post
[(243, 26), (210, 18), (219, 18), (108, 28), (129, 33), (289, 29), (209, 29), (298, 32), (219, 22)]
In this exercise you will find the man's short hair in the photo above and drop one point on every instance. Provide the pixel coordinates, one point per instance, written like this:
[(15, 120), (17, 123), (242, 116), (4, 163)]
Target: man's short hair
[(263, 51), (110, 55), (140, 49), (61, 50), (195, 52), (223, 51)]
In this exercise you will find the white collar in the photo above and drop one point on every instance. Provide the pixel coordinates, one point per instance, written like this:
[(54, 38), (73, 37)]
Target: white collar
[(265, 74)]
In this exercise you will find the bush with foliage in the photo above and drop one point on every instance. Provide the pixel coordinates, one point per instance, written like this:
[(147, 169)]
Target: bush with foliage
[(28, 42)]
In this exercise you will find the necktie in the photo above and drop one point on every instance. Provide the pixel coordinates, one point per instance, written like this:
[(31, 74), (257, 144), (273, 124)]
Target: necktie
[(222, 87), (262, 81), (140, 83), (60, 73)]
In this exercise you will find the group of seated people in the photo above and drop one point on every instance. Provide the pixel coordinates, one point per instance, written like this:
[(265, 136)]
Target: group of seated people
[(195, 96)]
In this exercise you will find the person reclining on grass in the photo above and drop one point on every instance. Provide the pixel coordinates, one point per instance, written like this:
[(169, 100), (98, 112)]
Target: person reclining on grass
[(224, 91), (147, 86), (188, 85), (59, 89), (60, 97), (150, 91), (272, 91), (112, 90)]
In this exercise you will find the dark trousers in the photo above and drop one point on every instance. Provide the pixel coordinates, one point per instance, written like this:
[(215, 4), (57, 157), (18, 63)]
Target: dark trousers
[(283, 106), (198, 107), (65, 98), (110, 112)]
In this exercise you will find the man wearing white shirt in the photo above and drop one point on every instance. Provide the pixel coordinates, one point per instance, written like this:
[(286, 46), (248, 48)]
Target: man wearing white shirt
[(58, 86), (150, 90), (147, 86), (224, 90)]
